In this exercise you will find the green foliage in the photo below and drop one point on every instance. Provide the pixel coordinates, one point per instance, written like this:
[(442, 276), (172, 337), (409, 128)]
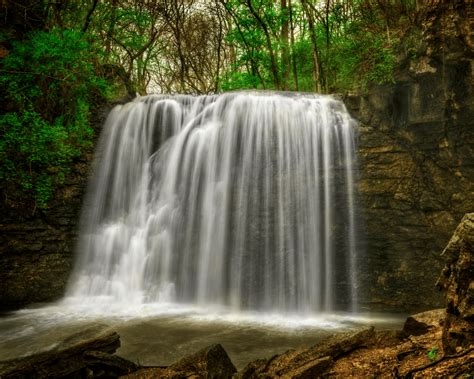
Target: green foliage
[(304, 64), (49, 81), (253, 65), (360, 58), (238, 80), (432, 354), (354, 47)]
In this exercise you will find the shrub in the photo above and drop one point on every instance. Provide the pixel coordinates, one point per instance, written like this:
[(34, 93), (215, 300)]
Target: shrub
[(49, 83)]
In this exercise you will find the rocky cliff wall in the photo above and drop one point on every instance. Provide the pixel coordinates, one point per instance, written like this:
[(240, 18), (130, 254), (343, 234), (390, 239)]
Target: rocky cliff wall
[(36, 246), (416, 160)]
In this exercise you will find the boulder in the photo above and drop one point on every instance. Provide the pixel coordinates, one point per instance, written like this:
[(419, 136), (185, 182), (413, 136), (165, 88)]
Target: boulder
[(308, 363), (421, 323), (457, 279), (211, 362), (104, 364), (84, 353)]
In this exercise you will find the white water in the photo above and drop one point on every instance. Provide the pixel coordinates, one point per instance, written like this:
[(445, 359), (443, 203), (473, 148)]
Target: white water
[(242, 200)]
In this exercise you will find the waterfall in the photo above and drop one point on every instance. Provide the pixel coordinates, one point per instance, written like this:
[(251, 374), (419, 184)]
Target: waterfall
[(244, 200)]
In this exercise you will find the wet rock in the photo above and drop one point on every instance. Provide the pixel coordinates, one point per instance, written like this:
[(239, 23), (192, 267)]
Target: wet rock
[(308, 363), (211, 362), (100, 364), (88, 352)]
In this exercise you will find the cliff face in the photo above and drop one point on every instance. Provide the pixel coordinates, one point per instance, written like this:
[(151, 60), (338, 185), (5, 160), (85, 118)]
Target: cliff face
[(416, 160), (36, 248)]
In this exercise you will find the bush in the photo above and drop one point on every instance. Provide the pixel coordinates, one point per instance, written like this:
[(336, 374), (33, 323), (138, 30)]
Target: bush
[(49, 83), (361, 58)]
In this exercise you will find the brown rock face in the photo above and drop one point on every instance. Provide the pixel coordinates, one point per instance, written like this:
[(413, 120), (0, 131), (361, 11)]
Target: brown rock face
[(416, 149), (36, 248), (457, 279)]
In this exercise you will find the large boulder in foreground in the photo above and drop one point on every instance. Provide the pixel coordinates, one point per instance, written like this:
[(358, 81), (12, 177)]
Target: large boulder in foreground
[(87, 353), (457, 279), (211, 362)]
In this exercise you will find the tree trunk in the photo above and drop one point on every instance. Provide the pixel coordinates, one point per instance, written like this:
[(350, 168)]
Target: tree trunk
[(285, 55), (315, 53), (293, 56), (276, 76)]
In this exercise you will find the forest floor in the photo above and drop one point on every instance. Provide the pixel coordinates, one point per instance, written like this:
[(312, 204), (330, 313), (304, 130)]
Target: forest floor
[(407, 355)]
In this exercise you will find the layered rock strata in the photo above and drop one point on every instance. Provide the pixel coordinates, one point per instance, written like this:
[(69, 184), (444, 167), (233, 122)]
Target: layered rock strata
[(416, 149)]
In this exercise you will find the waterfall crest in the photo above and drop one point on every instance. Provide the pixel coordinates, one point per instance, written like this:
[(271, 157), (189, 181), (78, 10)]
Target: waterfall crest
[(243, 200)]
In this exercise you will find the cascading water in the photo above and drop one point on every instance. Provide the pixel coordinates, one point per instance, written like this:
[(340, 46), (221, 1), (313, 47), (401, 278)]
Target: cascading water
[(242, 199)]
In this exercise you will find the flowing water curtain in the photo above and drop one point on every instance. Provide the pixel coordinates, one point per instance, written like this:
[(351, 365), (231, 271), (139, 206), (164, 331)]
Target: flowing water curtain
[(243, 200)]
